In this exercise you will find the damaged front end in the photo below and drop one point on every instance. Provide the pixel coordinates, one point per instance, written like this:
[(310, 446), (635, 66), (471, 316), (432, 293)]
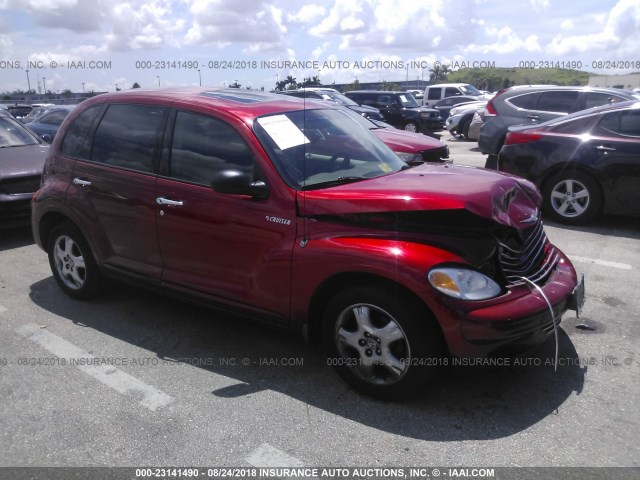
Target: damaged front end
[(504, 283)]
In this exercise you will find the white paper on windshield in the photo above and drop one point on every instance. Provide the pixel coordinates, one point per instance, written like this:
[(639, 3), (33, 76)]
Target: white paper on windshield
[(283, 131)]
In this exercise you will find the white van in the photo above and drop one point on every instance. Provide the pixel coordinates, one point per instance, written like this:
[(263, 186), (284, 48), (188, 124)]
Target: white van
[(434, 93)]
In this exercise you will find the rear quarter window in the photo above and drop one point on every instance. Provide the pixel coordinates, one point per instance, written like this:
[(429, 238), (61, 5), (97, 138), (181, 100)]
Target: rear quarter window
[(625, 123), (77, 143)]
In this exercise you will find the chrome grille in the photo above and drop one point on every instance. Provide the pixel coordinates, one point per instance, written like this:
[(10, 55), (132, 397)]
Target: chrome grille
[(535, 257)]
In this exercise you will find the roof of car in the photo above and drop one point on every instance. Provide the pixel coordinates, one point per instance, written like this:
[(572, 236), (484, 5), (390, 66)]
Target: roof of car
[(584, 88), (379, 92), (245, 104)]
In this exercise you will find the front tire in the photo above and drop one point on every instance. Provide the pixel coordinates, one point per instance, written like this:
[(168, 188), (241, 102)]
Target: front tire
[(72, 262), (411, 127), (572, 197), (381, 344)]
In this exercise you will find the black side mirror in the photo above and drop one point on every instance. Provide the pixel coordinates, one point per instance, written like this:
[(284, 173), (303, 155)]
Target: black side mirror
[(235, 182), (47, 138)]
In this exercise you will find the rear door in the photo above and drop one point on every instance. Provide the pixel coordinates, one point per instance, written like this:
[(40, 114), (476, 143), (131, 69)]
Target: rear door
[(233, 248), (553, 104), (113, 189)]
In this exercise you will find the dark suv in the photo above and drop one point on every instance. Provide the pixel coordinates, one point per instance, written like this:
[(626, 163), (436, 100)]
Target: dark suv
[(530, 105), (400, 110), (293, 212)]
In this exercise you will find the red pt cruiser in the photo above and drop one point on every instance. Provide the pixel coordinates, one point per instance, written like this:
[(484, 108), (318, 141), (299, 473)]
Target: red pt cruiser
[(293, 212)]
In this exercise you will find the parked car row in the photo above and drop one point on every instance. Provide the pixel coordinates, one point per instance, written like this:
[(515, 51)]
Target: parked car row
[(42, 119), (552, 136)]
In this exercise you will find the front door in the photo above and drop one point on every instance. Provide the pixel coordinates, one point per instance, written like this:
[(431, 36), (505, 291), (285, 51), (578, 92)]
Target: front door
[(233, 248)]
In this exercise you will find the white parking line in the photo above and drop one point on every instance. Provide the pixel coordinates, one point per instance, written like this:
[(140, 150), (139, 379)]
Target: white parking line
[(267, 456), (121, 382), (622, 266)]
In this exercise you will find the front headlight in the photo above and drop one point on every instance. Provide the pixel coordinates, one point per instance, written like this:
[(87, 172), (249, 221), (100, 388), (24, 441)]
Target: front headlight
[(463, 283), (409, 157)]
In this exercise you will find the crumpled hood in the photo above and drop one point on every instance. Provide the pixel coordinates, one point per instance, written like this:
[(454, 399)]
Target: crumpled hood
[(503, 198)]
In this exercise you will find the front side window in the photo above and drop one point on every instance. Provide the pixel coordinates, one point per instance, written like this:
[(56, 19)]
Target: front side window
[(595, 99), (314, 149), (127, 136), (203, 146), (625, 123), (451, 92)]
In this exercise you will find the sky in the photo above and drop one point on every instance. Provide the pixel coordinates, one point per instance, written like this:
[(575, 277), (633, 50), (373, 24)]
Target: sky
[(94, 45)]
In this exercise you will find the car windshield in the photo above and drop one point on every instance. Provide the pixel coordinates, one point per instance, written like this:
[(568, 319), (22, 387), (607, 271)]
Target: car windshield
[(13, 134), (470, 90), (320, 148), (408, 100), (338, 98)]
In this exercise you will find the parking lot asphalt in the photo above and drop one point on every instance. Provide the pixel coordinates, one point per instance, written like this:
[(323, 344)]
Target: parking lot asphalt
[(168, 384)]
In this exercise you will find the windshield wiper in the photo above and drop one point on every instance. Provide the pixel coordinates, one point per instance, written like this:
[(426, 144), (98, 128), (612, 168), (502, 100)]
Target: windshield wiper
[(332, 183)]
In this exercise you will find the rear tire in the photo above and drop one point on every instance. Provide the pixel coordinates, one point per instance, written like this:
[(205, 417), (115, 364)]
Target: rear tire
[(72, 262), (572, 198), (382, 345)]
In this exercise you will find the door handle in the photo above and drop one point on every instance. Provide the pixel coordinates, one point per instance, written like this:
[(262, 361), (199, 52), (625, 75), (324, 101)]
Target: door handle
[(605, 148), (534, 117), (171, 203), (82, 183)]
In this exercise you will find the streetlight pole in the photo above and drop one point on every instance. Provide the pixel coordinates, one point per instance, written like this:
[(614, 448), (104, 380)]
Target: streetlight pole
[(158, 77), (199, 77), (28, 81), (44, 84), (83, 91)]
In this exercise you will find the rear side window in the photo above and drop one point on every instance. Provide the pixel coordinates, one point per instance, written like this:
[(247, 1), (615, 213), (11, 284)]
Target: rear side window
[(202, 146), (560, 102), (434, 94), (76, 144), (127, 136), (526, 101)]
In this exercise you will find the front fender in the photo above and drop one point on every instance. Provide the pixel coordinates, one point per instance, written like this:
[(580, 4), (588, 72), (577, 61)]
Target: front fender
[(402, 262)]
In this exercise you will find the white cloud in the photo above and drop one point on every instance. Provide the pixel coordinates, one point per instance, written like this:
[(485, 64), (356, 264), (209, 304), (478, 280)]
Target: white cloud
[(6, 46), (221, 22), (539, 5), (567, 25), (506, 41), (307, 14), (620, 34), (399, 25)]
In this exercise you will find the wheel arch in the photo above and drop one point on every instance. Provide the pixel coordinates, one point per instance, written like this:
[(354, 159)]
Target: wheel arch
[(571, 167), (338, 282)]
